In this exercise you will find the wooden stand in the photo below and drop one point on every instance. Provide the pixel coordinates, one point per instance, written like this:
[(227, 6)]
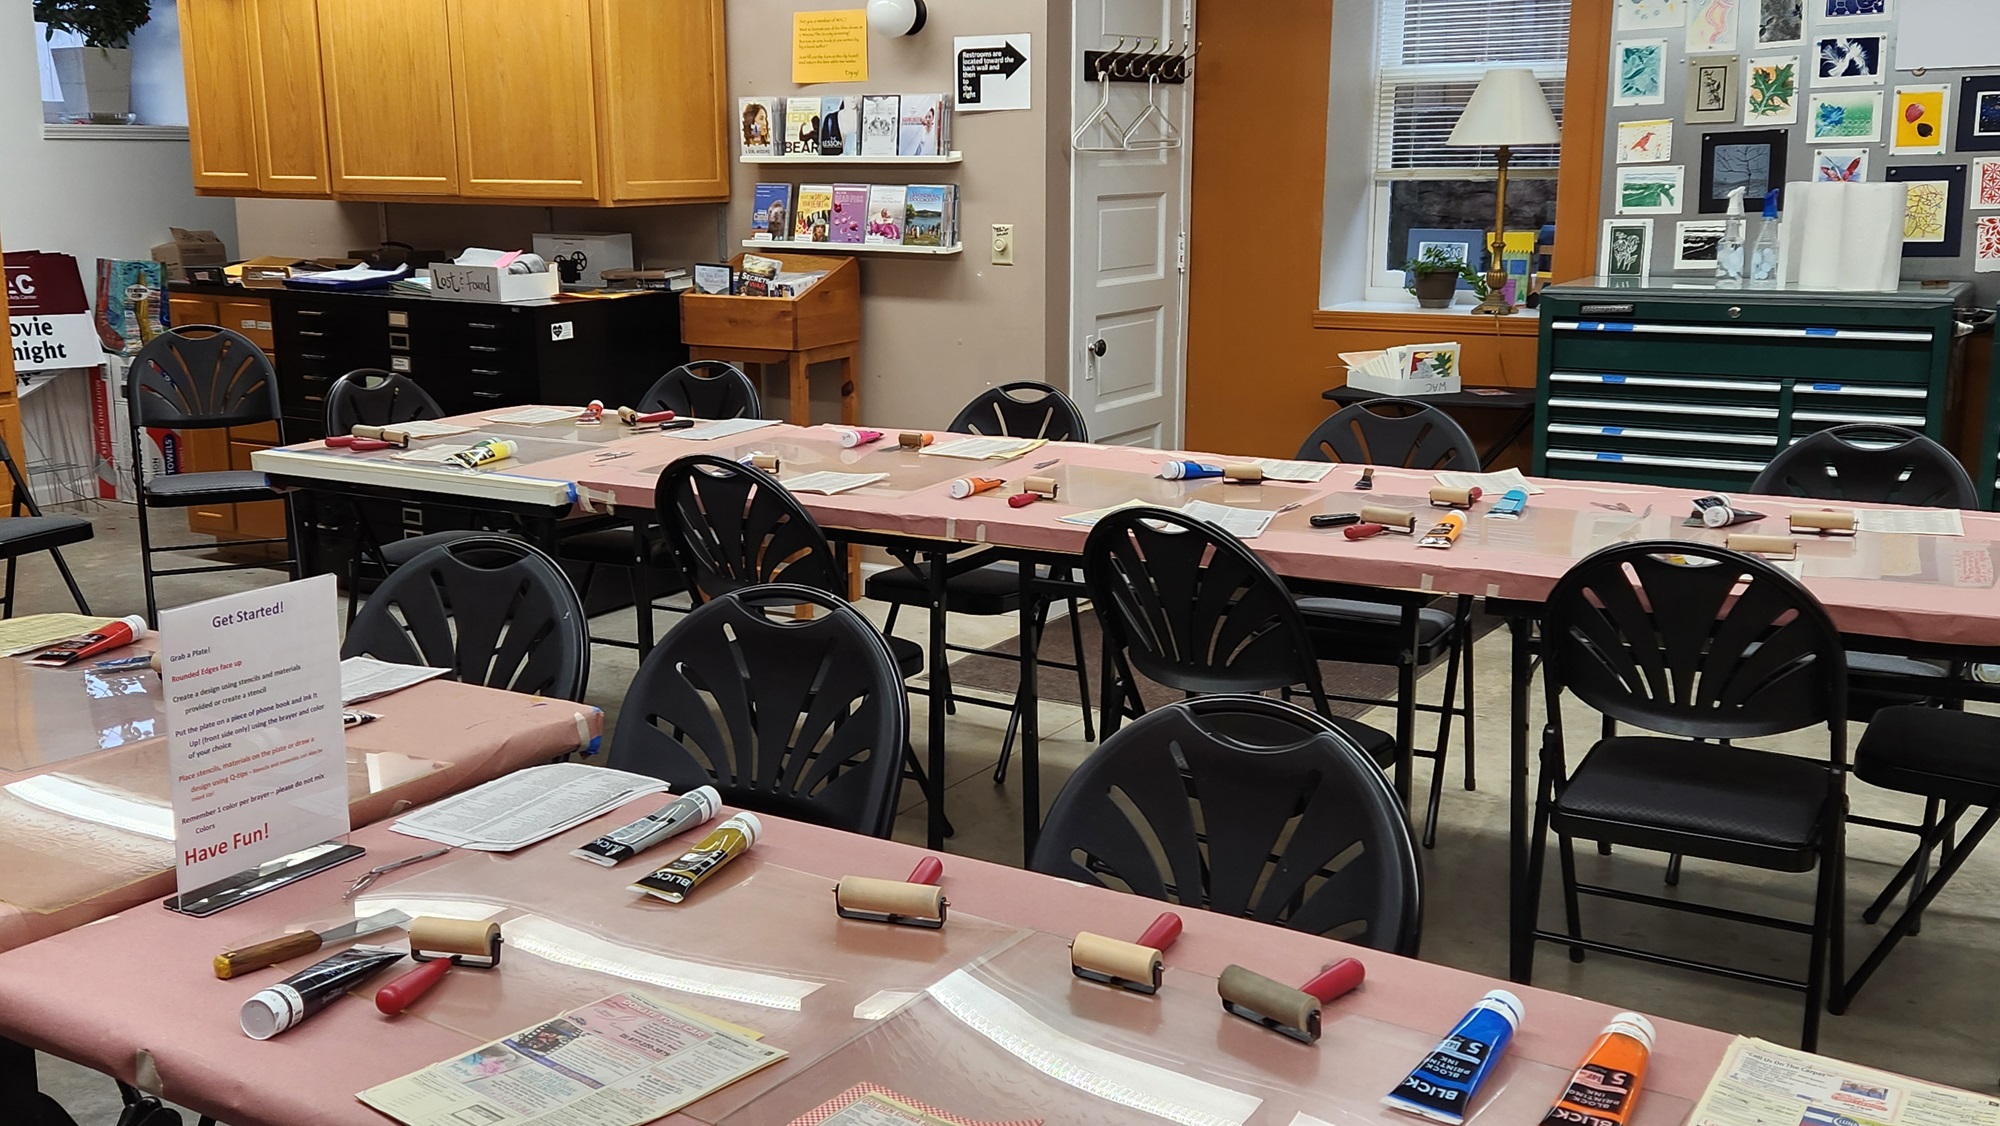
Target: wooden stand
[(823, 325)]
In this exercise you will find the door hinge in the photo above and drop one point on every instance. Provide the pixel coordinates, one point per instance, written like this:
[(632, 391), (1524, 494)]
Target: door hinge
[(1180, 251)]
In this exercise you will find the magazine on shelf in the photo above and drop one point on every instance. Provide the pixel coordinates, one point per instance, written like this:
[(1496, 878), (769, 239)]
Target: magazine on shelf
[(923, 125), (759, 118), (886, 203), (881, 116), (850, 213), (923, 215), (815, 213), (836, 124), (801, 136), (771, 213)]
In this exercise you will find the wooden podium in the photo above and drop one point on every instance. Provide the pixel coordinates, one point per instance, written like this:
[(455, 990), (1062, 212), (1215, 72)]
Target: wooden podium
[(822, 325)]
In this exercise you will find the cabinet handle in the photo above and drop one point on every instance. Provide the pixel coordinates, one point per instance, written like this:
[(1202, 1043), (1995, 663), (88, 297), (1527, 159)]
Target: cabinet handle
[(485, 371), (487, 395), (312, 356), (482, 348), (309, 332), (312, 312), (313, 378), (482, 324)]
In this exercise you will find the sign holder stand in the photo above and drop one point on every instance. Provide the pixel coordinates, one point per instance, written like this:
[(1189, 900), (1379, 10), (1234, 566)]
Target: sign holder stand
[(268, 876)]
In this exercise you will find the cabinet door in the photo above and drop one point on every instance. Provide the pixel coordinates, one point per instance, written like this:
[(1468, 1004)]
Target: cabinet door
[(386, 68), (527, 123), (266, 518), (190, 309), (661, 81), (290, 113), (216, 59)]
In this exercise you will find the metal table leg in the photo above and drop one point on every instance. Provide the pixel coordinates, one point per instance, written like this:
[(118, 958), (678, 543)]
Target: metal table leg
[(21, 1100), (1029, 703), (939, 676), (1520, 929)]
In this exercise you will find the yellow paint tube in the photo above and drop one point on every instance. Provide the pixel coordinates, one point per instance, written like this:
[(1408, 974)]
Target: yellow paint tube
[(1444, 531), (485, 453), (732, 838)]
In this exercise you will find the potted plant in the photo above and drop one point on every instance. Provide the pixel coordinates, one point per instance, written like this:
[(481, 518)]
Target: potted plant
[(1434, 277), (97, 77)]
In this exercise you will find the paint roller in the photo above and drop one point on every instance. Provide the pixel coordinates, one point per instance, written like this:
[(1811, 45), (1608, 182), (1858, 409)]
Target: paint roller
[(1825, 522), (1279, 1007), (389, 434), (1136, 966), (1394, 519), (915, 902), (1775, 547), (439, 944), (915, 439), (631, 417), (1444, 496)]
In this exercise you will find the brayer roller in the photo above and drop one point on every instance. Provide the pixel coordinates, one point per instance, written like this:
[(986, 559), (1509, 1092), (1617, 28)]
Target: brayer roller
[(1128, 965), (915, 902), (440, 944), (1279, 1007)]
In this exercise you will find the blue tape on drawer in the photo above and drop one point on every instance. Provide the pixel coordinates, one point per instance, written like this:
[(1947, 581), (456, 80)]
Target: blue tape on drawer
[(1610, 457), (1827, 386), (1822, 332), (1612, 378), (1614, 431), (1603, 326)]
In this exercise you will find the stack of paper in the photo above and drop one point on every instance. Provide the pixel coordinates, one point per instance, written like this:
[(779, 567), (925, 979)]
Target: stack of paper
[(365, 678), (829, 482), (527, 806), (30, 632), (1491, 484), (985, 449), (1243, 523), (721, 428), (1279, 469), (421, 428), (536, 416)]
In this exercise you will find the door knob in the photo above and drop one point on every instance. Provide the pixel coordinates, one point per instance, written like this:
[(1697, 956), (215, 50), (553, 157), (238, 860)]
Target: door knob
[(1097, 347)]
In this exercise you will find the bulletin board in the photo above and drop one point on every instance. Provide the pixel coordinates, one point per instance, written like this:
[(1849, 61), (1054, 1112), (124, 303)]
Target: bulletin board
[(1735, 128)]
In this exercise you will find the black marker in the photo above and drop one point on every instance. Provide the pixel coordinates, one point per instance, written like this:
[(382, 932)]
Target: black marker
[(677, 424), (1336, 519)]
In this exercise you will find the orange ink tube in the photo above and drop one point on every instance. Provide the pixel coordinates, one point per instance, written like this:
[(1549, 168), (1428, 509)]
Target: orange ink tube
[(1605, 1089), (963, 487)]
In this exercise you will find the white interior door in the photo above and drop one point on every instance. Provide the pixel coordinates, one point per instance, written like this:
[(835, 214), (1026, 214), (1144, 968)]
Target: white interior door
[(1128, 232)]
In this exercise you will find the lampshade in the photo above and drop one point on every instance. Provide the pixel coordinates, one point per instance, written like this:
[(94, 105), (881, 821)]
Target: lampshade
[(1507, 109), (896, 17)]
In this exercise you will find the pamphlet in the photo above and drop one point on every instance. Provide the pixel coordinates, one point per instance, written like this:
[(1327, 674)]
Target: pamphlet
[(1092, 516), (1911, 521), (1279, 469), (721, 428), (536, 416), (1492, 484), (518, 809), (622, 1061), (871, 1104), (365, 678), (425, 428), (985, 449), (1764, 1084), (30, 632), (829, 482), (1243, 523)]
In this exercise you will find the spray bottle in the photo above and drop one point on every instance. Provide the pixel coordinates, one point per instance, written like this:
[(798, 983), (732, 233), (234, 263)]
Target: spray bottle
[(1764, 253), (1729, 252)]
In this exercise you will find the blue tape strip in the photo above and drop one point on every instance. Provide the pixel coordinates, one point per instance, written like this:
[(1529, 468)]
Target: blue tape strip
[(1822, 332), (1610, 457), (1612, 378), (1605, 326), (596, 741), (1826, 386), (1614, 431)]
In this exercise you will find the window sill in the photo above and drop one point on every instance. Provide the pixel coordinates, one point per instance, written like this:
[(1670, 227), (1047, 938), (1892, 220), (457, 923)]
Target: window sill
[(52, 132), (1402, 316)]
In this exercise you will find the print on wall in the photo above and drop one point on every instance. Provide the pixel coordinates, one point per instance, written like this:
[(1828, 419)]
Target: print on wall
[(1988, 260), (1754, 162), (1650, 191), (1840, 166), (1933, 219), (1626, 250), (1771, 97), (1986, 183), (1640, 70), (1711, 25), (1856, 10), (1780, 23), (1847, 60), (1845, 116), (1979, 113), (1695, 243), (1645, 142), (1918, 121), (1637, 15), (1711, 90)]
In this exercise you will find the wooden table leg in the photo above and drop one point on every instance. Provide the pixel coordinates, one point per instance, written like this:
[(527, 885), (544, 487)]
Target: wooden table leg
[(850, 387), (801, 389)]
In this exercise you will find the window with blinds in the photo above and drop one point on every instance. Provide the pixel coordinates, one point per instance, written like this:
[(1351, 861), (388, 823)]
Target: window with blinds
[(1433, 53)]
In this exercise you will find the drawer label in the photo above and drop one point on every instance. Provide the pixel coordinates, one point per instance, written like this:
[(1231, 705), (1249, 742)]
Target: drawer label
[(399, 363), (562, 330), (1608, 310)]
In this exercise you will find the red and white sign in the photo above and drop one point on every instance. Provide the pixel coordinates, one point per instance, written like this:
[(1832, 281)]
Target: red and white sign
[(48, 315)]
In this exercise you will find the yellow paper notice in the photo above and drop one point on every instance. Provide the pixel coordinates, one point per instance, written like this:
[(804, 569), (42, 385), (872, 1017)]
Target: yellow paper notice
[(830, 46)]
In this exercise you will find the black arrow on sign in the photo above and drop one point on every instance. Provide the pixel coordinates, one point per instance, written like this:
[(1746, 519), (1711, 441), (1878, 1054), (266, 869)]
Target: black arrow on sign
[(1004, 60)]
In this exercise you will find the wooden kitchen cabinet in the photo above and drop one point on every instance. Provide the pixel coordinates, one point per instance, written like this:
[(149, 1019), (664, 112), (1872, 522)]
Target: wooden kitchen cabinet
[(602, 102), (527, 122), (255, 120), (390, 120)]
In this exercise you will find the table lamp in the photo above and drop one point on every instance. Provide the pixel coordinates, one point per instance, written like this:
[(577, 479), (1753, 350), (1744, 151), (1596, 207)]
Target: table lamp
[(1508, 109)]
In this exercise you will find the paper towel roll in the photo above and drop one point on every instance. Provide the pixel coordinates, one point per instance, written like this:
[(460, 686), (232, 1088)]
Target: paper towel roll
[(1821, 232), (1872, 257)]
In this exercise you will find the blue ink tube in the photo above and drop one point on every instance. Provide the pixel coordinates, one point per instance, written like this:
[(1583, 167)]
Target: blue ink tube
[(1442, 1087), (1188, 470)]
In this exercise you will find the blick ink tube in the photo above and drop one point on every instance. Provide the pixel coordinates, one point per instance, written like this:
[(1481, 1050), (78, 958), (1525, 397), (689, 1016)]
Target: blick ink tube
[(1442, 1087)]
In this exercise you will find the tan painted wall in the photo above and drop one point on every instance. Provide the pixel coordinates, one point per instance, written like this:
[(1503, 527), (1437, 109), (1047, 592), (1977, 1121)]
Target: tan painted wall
[(934, 331)]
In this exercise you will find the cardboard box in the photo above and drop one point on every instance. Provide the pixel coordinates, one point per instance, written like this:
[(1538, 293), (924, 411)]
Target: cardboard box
[(485, 283), (186, 249), (591, 255)]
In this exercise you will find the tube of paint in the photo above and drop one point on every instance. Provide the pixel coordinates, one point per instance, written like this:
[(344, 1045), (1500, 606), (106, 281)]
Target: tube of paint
[(852, 438), (1445, 531), (962, 487), (1443, 1085), (1605, 1089), (729, 840), (1188, 470), (683, 813), (273, 1010), (1714, 510), (485, 452), (110, 635)]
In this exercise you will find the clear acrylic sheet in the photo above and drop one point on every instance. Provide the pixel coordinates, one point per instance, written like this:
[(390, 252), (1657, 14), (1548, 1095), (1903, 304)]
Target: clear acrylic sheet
[(752, 930), (820, 451), (926, 1052), (54, 715)]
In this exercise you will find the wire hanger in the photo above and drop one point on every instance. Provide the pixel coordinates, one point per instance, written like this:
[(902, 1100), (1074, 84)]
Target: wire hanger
[(1102, 114)]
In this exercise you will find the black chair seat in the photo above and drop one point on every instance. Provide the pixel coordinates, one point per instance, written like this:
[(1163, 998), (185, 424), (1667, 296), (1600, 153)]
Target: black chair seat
[(1732, 804), (1349, 629), (22, 535), (1378, 744), (227, 486), (989, 591), (1890, 664), (908, 654), (612, 547), (398, 552), (1932, 752)]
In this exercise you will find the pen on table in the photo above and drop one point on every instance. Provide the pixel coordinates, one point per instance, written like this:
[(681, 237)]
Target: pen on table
[(1045, 464)]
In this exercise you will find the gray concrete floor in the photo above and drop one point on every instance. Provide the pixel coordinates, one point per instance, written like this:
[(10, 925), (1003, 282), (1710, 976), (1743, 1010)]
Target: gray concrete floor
[(1930, 1011)]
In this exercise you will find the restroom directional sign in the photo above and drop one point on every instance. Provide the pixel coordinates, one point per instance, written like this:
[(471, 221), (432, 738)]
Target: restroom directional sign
[(993, 72)]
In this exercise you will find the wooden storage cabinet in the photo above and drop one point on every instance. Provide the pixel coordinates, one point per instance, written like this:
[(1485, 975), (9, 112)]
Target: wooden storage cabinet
[(206, 451), (1702, 387), (524, 101)]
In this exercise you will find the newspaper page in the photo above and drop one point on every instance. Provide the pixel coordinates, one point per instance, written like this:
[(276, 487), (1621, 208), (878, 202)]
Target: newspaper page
[(518, 809), (1765, 1084), (871, 1104), (622, 1061)]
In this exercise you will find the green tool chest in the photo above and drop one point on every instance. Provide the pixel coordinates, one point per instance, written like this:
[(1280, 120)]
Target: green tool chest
[(1694, 386)]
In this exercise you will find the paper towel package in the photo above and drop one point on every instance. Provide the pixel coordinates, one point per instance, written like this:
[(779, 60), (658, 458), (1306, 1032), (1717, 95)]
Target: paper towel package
[(1845, 237)]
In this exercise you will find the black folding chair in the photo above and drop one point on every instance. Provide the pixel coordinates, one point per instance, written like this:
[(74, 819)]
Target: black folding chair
[(1698, 646), (706, 389), (1245, 806), (194, 377), (1405, 434), (491, 608), (981, 582), (25, 535), (1189, 606), (801, 718)]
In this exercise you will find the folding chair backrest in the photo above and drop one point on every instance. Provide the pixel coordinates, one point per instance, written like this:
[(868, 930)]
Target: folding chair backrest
[(200, 376), (704, 389), (733, 525), (373, 397), (1397, 433), (1870, 463), (1025, 409)]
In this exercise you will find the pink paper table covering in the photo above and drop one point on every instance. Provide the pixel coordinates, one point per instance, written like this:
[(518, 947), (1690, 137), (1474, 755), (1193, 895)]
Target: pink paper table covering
[(433, 739), (141, 982)]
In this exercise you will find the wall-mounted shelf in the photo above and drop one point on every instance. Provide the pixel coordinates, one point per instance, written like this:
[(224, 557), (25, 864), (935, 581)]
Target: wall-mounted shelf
[(953, 157), (847, 248)]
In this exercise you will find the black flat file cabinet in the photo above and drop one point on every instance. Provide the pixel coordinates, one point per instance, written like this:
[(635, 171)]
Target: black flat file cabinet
[(1691, 385)]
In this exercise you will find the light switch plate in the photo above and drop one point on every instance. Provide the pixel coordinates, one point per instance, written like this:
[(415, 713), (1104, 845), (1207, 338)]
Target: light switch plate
[(1003, 244)]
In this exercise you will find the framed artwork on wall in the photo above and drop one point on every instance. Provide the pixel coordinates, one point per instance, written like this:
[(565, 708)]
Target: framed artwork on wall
[(1979, 113), (1711, 90), (1934, 218), (1753, 160)]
